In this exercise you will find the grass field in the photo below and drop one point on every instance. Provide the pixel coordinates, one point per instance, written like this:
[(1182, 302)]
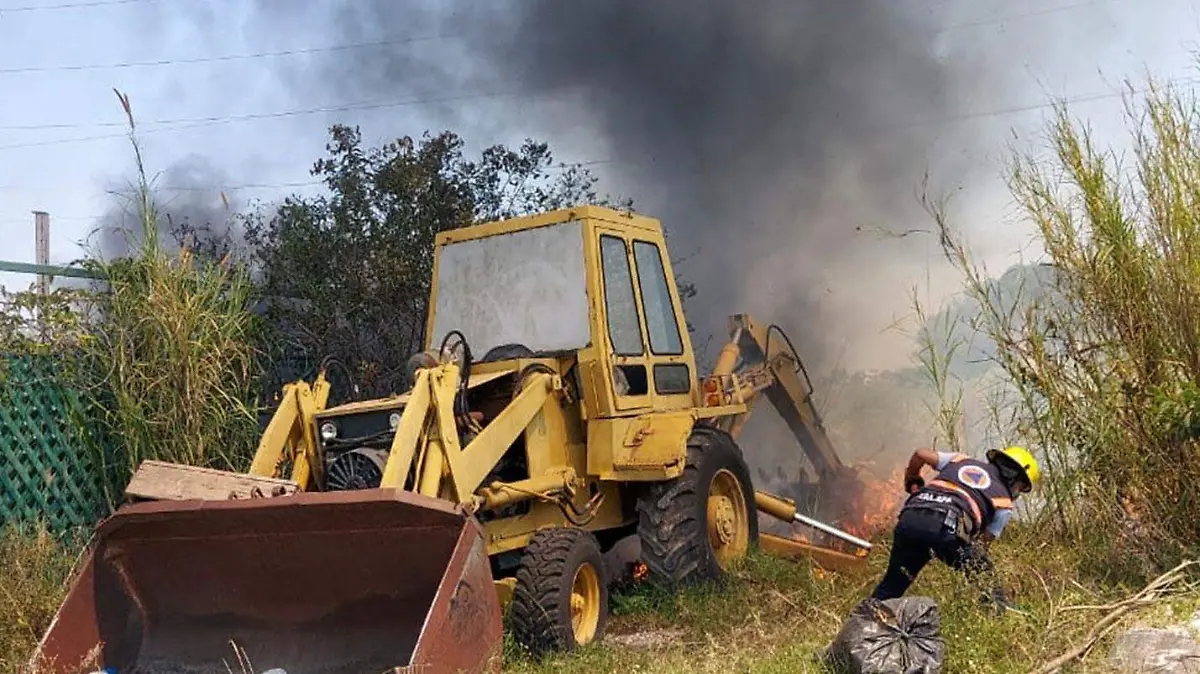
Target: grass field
[(774, 615), (33, 569), (779, 616)]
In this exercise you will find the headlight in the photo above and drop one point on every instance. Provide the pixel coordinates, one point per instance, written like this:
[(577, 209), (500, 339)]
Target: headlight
[(394, 420), (328, 430)]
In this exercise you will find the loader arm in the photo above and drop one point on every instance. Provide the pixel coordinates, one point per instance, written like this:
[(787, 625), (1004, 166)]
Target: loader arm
[(772, 367), (290, 433), (311, 582), (427, 434), (288, 438)]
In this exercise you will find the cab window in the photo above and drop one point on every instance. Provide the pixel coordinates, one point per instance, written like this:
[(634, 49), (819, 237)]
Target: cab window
[(624, 329), (656, 300)]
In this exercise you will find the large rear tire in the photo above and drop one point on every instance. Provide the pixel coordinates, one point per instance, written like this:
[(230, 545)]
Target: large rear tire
[(693, 528), (561, 598)]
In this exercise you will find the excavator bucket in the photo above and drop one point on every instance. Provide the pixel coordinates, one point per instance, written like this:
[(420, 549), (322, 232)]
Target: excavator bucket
[(314, 583)]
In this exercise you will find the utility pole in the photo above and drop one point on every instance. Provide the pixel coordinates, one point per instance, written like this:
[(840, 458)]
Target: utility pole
[(41, 223)]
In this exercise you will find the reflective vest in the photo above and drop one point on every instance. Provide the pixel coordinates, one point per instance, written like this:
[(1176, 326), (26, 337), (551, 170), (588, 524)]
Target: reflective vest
[(973, 486)]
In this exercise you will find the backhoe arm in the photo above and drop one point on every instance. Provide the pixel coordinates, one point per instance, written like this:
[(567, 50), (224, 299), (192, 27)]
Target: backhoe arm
[(757, 361), (771, 366)]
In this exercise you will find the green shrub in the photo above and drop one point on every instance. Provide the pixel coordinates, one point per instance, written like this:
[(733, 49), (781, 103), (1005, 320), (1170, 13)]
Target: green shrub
[(1105, 360)]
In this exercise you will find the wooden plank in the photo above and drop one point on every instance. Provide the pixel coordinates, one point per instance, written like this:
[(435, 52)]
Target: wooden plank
[(159, 481)]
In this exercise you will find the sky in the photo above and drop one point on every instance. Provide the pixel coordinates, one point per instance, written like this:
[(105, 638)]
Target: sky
[(236, 96)]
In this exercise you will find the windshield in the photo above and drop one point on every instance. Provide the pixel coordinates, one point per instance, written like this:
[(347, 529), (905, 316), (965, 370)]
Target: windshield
[(527, 287)]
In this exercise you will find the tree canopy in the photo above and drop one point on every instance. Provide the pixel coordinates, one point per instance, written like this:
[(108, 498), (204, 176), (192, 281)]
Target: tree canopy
[(345, 276)]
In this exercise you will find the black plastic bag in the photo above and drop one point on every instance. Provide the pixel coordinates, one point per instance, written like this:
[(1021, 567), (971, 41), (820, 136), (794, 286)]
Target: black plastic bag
[(896, 636)]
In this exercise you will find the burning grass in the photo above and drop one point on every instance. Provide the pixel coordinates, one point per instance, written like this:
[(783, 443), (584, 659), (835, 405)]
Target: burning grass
[(876, 506)]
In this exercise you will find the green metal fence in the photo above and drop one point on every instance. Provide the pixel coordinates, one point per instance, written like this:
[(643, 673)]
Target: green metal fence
[(47, 470)]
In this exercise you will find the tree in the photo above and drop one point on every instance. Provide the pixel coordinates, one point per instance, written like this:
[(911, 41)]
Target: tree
[(345, 276)]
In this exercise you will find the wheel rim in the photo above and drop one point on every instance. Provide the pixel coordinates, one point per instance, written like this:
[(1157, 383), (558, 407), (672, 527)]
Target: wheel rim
[(585, 604), (728, 520)]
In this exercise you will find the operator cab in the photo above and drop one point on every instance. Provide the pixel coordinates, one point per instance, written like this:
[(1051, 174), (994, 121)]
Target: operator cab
[(588, 284)]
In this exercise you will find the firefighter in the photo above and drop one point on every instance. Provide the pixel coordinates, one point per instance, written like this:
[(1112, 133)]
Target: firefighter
[(956, 516)]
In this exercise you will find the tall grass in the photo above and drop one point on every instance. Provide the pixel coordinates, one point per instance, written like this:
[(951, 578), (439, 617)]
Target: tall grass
[(34, 567), (1105, 362), (938, 343), (161, 352), (169, 354), (779, 616)]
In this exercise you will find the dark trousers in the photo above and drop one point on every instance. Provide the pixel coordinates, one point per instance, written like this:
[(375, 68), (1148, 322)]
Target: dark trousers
[(921, 535)]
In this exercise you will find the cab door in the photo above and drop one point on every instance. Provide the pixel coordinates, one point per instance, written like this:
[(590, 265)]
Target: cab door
[(624, 333), (669, 358), (649, 361), (639, 370)]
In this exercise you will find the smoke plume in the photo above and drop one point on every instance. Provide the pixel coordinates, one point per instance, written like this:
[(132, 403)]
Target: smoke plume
[(191, 209), (769, 136)]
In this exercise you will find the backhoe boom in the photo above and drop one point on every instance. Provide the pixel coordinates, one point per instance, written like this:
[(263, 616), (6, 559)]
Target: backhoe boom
[(771, 366)]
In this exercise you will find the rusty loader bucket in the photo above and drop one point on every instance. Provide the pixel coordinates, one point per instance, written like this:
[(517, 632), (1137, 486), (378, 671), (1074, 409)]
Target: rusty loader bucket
[(359, 582)]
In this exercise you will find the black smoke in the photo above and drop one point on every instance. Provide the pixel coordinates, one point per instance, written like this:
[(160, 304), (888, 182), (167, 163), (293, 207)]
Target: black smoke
[(767, 135), (192, 207), (770, 136), (774, 138)]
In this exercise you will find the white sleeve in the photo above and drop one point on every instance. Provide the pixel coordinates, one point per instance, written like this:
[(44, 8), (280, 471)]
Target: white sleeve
[(944, 459), (999, 521)]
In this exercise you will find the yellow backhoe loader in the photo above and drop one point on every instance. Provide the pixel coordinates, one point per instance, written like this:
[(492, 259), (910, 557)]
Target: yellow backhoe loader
[(557, 438)]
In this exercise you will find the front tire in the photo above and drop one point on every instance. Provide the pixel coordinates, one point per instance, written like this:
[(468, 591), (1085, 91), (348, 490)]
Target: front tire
[(561, 598), (695, 527)]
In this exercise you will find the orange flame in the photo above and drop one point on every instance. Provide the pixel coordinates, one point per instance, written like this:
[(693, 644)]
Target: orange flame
[(876, 505), (868, 508), (640, 572)]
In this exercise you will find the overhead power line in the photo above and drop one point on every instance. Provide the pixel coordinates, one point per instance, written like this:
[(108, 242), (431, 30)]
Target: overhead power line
[(82, 4), (163, 125), (1029, 15), (253, 186), (221, 58), (196, 188), (180, 124), (56, 217), (391, 42), (234, 187), (612, 161)]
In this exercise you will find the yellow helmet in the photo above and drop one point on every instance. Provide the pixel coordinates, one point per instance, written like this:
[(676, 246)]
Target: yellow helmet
[(1022, 457)]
